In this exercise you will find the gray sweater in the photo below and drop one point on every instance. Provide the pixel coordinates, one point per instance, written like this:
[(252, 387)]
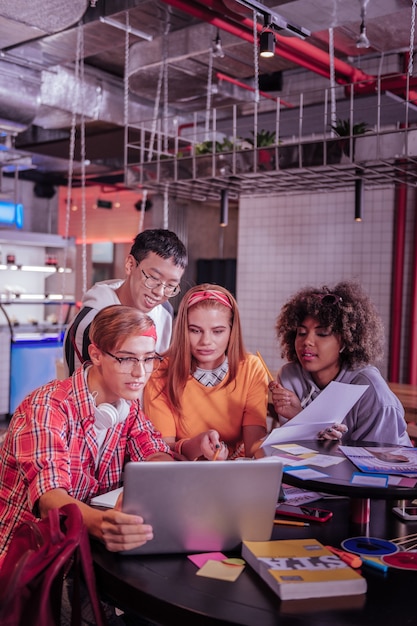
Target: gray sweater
[(378, 416)]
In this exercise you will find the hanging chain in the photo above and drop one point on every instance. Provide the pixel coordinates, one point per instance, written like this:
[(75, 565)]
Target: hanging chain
[(158, 93), (256, 67), (126, 90), (155, 112), (165, 83), (255, 55), (73, 133), (333, 119), (412, 32), (209, 92), (166, 206), (142, 210), (82, 156)]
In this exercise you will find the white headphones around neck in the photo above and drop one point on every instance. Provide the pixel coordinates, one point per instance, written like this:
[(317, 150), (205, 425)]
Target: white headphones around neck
[(108, 415)]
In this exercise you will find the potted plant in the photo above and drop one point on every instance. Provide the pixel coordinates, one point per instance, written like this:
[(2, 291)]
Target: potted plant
[(264, 139), (343, 129)]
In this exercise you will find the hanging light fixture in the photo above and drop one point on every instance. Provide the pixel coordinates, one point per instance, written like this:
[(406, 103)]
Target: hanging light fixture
[(267, 44), (267, 39), (217, 47), (363, 41), (224, 207), (358, 196)]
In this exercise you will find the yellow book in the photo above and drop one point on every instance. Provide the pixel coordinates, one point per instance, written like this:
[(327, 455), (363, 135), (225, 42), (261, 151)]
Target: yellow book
[(302, 568)]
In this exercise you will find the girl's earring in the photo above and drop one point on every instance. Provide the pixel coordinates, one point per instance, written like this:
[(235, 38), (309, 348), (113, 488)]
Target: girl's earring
[(341, 349)]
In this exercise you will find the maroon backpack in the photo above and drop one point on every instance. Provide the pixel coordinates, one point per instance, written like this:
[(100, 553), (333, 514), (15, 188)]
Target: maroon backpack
[(40, 554)]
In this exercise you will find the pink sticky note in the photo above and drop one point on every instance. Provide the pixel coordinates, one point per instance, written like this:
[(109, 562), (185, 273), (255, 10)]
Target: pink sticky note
[(201, 559)]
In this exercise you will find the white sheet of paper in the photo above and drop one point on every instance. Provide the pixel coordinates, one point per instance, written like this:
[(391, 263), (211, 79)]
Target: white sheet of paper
[(108, 499), (306, 473), (330, 407)]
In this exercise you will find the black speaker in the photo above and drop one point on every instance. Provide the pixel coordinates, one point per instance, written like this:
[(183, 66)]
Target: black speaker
[(104, 204), (44, 190), (218, 271), (148, 205), (270, 82)]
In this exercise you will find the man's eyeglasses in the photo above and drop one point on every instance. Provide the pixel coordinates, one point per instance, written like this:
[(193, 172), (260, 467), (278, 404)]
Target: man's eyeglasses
[(153, 283), (328, 299), (127, 363)]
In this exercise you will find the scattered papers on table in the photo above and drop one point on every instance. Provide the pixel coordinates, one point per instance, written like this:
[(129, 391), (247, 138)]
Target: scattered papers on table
[(305, 473), (202, 558), (296, 496), (399, 460), (222, 570), (295, 455), (371, 480), (317, 416)]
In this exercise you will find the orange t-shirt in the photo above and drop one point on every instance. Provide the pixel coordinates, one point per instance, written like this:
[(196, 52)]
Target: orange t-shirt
[(224, 407)]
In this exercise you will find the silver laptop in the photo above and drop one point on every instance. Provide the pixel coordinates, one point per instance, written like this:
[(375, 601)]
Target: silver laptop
[(203, 506)]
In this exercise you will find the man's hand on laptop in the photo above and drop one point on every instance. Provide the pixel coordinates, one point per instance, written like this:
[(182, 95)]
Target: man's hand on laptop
[(122, 531)]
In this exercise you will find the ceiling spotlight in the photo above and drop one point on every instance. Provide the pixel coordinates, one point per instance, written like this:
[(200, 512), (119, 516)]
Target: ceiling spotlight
[(217, 46), (267, 44)]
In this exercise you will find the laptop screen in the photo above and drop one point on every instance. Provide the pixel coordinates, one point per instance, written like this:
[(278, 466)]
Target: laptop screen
[(203, 506)]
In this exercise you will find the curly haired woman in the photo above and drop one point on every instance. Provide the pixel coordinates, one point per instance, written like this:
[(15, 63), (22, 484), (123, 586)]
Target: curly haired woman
[(336, 334)]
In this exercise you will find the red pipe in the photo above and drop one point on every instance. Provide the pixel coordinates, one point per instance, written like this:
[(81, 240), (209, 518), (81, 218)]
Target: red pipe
[(292, 49), (397, 281), (412, 375), (307, 56)]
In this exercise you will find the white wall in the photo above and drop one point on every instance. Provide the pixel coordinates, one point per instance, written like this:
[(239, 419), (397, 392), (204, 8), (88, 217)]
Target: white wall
[(289, 242)]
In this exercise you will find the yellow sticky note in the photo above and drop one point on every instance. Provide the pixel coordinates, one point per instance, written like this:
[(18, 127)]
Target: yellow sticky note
[(220, 570)]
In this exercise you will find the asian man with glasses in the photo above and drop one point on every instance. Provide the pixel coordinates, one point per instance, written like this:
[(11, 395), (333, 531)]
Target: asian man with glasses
[(153, 268)]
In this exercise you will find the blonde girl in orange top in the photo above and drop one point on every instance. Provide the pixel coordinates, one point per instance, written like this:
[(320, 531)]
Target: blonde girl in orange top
[(209, 397)]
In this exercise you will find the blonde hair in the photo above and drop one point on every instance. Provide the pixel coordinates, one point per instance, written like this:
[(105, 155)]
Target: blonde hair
[(181, 362)]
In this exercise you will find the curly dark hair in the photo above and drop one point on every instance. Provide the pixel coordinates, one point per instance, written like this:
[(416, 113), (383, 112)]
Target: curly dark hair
[(347, 311)]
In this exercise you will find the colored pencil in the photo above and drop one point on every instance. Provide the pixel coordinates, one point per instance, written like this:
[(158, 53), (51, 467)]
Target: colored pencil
[(284, 522), (271, 378)]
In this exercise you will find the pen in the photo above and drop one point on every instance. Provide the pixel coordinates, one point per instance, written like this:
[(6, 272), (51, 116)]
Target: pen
[(271, 378), (351, 559), (284, 522), (375, 564)]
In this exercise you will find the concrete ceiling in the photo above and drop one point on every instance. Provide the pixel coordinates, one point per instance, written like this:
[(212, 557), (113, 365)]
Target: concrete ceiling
[(40, 80)]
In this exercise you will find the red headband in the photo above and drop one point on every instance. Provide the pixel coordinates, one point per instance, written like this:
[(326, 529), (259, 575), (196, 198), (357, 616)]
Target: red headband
[(150, 332), (199, 296)]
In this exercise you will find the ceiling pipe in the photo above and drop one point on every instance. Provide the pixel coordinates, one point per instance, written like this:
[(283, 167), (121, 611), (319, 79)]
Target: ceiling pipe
[(238, 83), (293, 49)]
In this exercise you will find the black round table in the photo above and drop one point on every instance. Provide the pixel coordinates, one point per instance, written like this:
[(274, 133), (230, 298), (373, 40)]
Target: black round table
[(338, 477), (166, 589)]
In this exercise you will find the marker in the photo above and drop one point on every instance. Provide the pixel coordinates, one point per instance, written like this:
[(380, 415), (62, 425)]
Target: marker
[(375, 564), (351, 559), (284, 522)]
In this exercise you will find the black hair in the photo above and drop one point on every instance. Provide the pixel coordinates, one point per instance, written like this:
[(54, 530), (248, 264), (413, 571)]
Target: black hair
[(162, 242)]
